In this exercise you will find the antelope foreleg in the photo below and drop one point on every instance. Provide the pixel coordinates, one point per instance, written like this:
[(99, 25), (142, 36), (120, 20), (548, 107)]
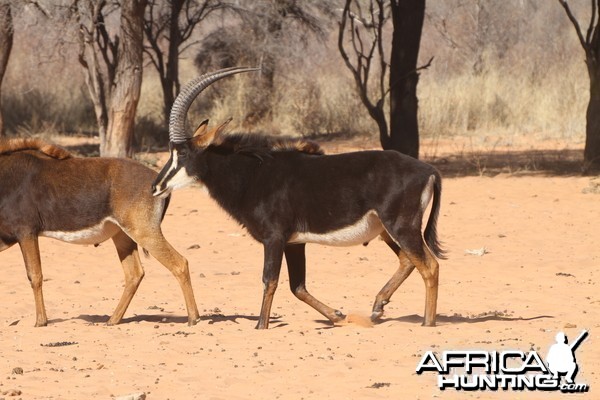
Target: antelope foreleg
[(272, 267), (160, 249)]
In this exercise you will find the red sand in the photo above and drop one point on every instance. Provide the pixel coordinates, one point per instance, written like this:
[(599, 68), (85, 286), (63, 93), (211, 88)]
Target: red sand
[(539, 276)]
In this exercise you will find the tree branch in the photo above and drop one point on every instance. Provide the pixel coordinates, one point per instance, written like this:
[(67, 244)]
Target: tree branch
[(365, 53), (422, 67), (575, 23), (590, 30)]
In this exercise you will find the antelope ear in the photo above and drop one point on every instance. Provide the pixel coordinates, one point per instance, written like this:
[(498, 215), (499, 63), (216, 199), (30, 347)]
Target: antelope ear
[(201, 129), (202, 137), (219, 129), (206, 137)]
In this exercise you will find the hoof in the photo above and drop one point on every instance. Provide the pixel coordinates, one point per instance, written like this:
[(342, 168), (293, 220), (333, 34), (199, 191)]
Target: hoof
[(375, 315), (430, 324), (339, 317), (261, 325), (194, 321)]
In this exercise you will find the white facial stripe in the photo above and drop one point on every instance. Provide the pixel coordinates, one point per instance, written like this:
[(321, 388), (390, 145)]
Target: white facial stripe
[(181, 179), (364, 230), (171, 171), (166, 184)]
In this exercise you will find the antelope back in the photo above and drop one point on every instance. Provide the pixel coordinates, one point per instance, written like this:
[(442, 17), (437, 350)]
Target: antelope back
[(40, 193)]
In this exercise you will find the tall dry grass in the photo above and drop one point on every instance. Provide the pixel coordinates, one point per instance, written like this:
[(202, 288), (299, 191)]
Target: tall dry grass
[(538, 85), (506, 103)]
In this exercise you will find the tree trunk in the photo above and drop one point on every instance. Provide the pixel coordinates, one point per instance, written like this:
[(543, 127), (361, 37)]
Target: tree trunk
[(591, 153), (378, 115), (407, 19), (127, 84), (6, 42), (96, 87), (170, 82)]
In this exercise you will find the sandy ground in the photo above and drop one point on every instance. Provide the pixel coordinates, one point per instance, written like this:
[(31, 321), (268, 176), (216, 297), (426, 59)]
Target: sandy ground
[(540, 274)]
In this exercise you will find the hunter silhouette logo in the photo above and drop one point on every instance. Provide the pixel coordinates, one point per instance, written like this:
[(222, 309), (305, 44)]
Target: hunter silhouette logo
[(508, 370), (561, 357)]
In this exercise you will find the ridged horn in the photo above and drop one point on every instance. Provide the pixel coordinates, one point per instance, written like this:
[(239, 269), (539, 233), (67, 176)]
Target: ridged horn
[(187, 95)]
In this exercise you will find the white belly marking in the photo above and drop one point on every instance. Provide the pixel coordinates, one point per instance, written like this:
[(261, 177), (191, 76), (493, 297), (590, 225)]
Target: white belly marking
[(92, 235), (364, 230)]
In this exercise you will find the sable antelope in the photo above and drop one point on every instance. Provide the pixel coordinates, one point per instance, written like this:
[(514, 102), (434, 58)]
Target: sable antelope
[(287, 194), (45, 191)]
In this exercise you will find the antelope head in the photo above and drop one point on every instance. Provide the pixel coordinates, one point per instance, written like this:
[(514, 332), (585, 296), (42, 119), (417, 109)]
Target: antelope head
[(177, 171)]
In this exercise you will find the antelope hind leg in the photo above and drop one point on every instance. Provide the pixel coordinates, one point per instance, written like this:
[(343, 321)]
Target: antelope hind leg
[(134, 272), (296, 262), (384, 295), (428, 267), (31, 255)]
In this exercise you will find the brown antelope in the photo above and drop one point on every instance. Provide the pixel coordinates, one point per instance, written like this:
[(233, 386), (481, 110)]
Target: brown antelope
[(287, 196), (44, 191)]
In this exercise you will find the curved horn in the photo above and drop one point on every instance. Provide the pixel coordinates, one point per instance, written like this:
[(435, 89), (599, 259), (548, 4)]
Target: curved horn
[(188, 94)]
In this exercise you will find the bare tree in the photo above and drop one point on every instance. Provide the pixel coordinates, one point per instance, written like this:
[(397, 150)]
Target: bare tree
[(407, 21), (371, 25), (167, 27), (261, 37), (591, 45), (480, 29), (365, 28), (6, 42), (113, 66)]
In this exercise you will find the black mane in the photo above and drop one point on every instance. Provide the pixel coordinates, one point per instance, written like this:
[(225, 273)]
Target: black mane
[(262, 146)]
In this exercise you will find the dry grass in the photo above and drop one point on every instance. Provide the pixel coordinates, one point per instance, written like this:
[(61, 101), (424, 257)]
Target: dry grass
[(541, 90), (506, 102)]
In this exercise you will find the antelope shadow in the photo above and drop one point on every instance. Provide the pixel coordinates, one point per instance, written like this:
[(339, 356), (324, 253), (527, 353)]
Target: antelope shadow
[(460, 319), (441, 320), (168, 319)]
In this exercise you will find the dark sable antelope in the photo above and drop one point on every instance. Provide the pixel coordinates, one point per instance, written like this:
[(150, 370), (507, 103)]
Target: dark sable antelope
[(44, 191), (287, 194)]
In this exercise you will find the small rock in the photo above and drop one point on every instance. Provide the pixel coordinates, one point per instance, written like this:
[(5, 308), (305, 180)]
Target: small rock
[(594, 187), (17, 371), (477, 252), (570, 325), (379, 385), (133, 396), (564, 274)]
